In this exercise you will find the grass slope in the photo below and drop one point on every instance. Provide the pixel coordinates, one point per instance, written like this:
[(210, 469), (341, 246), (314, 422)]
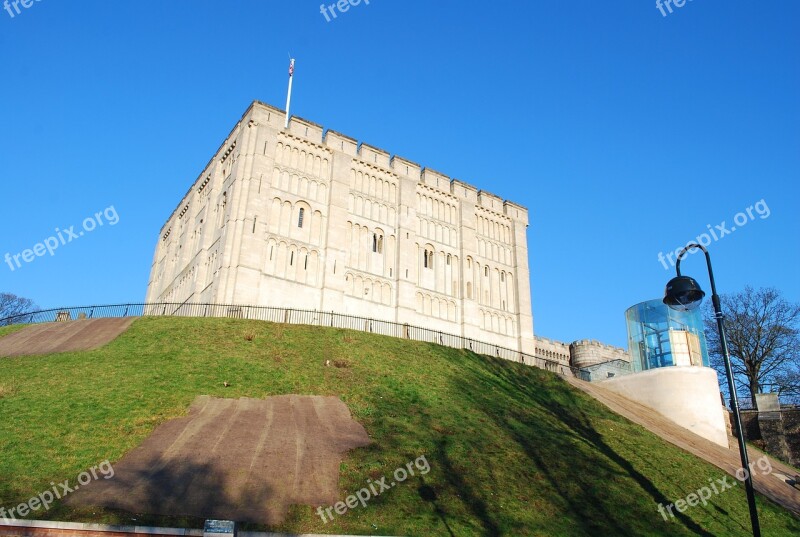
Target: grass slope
[(513, 450)]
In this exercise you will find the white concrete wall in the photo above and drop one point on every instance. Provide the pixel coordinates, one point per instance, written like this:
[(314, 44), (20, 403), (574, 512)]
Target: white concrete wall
[(689, 396)]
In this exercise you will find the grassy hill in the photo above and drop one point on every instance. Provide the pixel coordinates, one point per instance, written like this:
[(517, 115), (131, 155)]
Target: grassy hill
[(512, 450)]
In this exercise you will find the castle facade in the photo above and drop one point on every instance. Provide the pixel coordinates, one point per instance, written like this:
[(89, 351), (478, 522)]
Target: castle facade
[(308, 218)]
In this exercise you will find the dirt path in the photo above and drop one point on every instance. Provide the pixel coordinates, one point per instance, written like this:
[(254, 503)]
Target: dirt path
[(773, 486), (49, 338), (245, 460)]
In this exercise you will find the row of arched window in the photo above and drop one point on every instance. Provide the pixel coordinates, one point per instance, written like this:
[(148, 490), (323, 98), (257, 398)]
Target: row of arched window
[(438, 307), (436, 208), (292, 262), (494, 251), (295, 221), (489, 286), (367, 288), (491, 228), (551, 355), (309, 159), (300, 185), (370, 249), (437, 232), (184, 287), (376, 187), (373, 210), (494, 322), (438, 271)]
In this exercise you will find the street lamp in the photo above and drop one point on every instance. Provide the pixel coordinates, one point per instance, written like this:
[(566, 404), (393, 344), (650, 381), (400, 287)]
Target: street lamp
[(684, 294)]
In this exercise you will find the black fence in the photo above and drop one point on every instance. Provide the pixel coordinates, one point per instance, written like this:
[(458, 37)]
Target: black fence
[(290, 316)]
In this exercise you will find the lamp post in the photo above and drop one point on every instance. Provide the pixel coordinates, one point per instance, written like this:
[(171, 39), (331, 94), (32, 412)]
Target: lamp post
[(683, 293)]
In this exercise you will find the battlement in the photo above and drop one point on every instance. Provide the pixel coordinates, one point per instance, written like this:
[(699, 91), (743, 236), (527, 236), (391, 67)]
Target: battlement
[(374, 155), (371, 154), (306, 129), (464, 190), (589, 352), (403, 166), (586, 343)]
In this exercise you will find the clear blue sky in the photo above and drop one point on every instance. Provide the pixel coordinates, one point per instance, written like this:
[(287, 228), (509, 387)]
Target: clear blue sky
[(623, 131)]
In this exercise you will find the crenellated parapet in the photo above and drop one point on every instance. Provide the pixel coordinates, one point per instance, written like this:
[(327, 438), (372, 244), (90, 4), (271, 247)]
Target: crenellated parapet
[(367, 153), (586, 352), (550, 349)]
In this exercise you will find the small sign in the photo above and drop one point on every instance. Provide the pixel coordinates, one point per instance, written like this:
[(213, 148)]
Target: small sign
[(219, 528)]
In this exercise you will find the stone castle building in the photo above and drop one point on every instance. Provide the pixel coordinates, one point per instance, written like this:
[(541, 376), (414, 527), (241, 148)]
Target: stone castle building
[(308, 218)]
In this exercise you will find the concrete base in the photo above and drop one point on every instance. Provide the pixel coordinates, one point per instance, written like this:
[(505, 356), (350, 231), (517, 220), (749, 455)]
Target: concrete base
[(689, 396)]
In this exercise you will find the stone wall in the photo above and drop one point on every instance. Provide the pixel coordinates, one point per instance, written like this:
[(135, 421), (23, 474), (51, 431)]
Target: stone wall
[(760, 433), (309, 218), (585, 353)]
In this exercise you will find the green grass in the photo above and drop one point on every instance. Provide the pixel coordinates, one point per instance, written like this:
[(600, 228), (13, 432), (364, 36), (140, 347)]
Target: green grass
[(512, 450), (6, 330)]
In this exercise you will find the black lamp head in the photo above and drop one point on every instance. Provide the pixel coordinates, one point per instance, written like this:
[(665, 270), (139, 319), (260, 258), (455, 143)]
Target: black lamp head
[(683, 294)]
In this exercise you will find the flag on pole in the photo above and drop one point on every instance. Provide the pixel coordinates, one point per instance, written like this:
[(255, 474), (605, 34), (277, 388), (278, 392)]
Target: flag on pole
[(289, 93)]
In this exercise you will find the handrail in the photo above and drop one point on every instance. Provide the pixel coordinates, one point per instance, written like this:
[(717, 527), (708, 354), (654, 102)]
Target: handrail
[(289, 316)]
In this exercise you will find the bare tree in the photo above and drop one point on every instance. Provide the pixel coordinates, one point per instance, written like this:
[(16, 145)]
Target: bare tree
[(11, 305), (763, 340), (789, 385)]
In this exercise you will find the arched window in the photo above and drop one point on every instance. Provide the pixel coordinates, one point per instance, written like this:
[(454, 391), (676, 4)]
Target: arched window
[(300, 217), (448, 259), (428, 258), (486, 270), (377, 243)]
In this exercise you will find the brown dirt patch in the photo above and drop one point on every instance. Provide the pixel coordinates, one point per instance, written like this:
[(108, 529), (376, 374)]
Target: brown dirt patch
[(49, 338), (244, 460)]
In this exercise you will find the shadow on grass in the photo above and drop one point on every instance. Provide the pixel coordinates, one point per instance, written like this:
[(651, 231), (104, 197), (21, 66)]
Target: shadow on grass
[(189, 489), (561, 444)]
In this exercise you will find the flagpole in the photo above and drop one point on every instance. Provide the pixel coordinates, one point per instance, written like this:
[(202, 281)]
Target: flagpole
[(289, 95)]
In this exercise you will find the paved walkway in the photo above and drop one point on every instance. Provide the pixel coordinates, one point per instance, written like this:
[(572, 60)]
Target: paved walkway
[(773, 486), (49, 338)]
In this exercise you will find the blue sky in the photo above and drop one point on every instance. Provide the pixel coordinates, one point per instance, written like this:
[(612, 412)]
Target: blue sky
[(626, 133)]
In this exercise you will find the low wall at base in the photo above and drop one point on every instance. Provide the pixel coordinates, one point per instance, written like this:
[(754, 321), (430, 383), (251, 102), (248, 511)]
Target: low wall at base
[(689, 396)]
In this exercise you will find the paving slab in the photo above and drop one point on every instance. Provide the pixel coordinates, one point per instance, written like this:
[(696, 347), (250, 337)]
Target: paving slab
[(246, 460), (69, 336)]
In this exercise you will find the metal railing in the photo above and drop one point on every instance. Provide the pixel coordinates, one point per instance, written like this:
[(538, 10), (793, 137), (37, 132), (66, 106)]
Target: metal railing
[(291, 316)]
